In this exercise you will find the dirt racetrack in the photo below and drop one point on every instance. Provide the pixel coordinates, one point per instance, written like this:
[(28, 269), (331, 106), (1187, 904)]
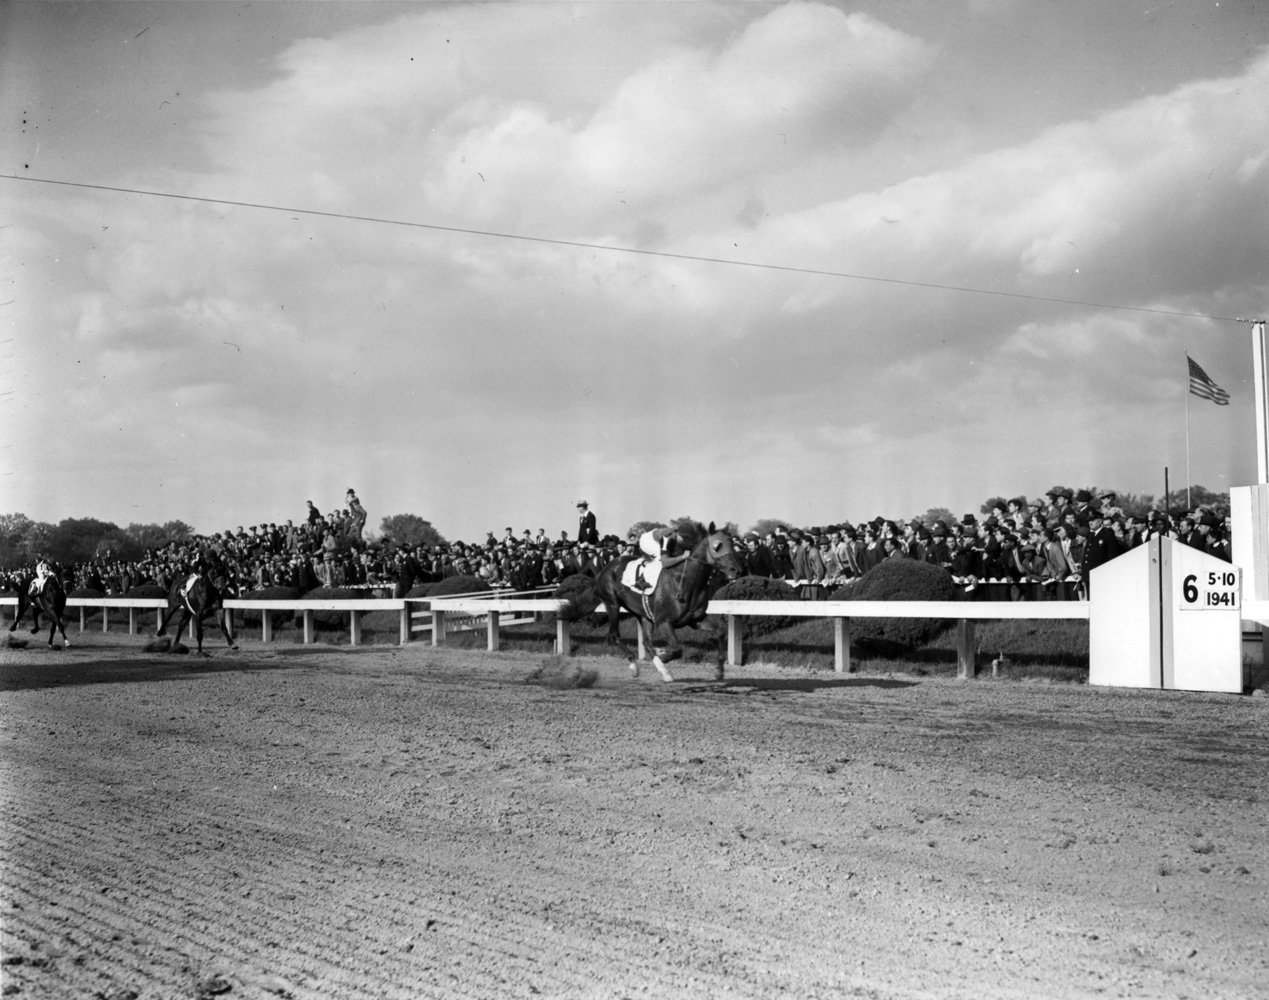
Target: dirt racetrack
[(293, 821)]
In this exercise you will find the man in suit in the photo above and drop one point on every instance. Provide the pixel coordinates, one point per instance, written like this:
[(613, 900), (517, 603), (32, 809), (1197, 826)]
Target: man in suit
[(1102, 546), (586, 527)]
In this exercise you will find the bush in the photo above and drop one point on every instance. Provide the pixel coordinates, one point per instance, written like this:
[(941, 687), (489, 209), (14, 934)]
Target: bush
[(88, 592), (250, 615), (146, 590), (323, 621), (421, 590), (899, 580), (759, 588), (458, 585)]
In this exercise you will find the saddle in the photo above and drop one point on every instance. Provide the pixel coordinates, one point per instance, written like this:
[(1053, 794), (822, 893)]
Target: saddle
[(641, 575)]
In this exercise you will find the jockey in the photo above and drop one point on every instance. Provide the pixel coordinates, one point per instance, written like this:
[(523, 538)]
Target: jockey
[(42, 572), (659, 543)]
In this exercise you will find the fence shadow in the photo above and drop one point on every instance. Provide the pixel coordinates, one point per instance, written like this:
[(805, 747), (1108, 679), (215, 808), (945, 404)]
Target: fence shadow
[(800, 685), (29, 673)]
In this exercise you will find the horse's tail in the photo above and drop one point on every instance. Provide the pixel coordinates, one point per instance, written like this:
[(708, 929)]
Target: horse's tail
[(581, 603)]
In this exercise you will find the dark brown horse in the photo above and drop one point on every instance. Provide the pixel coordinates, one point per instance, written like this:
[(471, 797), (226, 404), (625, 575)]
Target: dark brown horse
[(202, 598), (48, 598), (679, 598)]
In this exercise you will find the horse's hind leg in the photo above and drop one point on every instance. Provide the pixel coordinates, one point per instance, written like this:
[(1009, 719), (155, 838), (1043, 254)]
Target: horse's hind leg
[(219, 614), (614, 634), (59, 624)]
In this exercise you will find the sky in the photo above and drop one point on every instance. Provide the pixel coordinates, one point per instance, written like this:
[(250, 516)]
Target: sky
[(479, 261)]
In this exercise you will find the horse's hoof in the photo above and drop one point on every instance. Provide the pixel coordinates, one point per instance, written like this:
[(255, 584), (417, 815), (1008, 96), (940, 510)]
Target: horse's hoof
[(634, 669), (665, 674)]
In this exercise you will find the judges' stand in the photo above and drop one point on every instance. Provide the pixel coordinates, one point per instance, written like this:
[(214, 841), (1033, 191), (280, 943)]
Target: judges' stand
[(1165, 615)]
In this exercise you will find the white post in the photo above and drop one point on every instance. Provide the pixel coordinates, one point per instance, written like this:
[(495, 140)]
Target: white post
[(105, 619), (735, 651), (405, 624), (438, 628), (966, 651), (562, 645), (841, 645), (1260, 365), (266, 626), (132, 621), (354, 628), (491, 630), (309, 629)]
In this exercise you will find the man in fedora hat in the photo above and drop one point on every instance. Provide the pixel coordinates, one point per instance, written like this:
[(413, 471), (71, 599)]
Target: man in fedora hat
[(587, 531)]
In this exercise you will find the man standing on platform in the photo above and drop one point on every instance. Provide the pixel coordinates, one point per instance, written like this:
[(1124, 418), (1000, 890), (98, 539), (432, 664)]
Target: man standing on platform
[(587, 531)]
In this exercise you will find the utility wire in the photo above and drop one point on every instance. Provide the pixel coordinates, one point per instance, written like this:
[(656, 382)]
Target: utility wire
[(630, 250)]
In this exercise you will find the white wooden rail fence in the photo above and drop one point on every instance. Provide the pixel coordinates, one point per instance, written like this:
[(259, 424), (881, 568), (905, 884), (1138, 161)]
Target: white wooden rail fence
[(468, 612)]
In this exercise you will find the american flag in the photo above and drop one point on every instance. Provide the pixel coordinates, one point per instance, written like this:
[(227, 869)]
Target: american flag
[(1202, 385)]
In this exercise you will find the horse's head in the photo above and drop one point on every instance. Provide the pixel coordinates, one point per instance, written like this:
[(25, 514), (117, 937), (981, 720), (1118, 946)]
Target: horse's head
[(720, 554)]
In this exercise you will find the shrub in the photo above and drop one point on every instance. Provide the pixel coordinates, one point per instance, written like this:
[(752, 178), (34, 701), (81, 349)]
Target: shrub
[(458, 585), (250, 615), (87, 592), (329, 621), (759, 588), (146, 590), (899, 580), (421, 590)]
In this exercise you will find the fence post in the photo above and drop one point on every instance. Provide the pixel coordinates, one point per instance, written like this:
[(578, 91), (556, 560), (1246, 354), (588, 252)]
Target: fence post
[(491, 630), (227, 616), (562, 645), (735, 650), (266, 626), (132, 621), (841, 646), (405, 623), (966, 651), (438, 628), (309, 630), (105, 619), (354, 628), (82, 617)]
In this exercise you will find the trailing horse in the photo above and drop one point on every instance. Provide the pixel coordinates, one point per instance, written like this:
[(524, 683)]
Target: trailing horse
[(47, 597), (679, 598), (196, 601)]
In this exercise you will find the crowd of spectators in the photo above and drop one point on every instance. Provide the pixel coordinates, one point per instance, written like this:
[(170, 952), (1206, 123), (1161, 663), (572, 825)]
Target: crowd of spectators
[(1038, 548)]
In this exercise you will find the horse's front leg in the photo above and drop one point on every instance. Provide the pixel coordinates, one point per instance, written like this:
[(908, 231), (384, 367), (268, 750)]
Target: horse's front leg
[(672, 651)]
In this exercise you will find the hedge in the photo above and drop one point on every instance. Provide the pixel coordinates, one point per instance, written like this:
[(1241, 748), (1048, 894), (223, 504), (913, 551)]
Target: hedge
[(899, 580), (146, 590), (329, 621), (266, 594), (759, 588), (458, 585)]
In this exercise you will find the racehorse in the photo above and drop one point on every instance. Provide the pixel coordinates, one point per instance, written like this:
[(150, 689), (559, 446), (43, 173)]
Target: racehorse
[(679, 598), (49, 599), (202, 598)]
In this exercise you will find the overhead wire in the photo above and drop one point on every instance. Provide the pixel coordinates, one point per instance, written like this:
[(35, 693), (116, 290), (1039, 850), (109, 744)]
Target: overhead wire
[(610, 248)]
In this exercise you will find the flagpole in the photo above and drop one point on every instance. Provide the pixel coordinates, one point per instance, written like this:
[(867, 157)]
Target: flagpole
[(1188, 478)]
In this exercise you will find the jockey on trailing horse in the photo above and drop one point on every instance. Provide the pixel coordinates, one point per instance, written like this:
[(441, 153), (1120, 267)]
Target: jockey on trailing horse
[(44, 595)]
